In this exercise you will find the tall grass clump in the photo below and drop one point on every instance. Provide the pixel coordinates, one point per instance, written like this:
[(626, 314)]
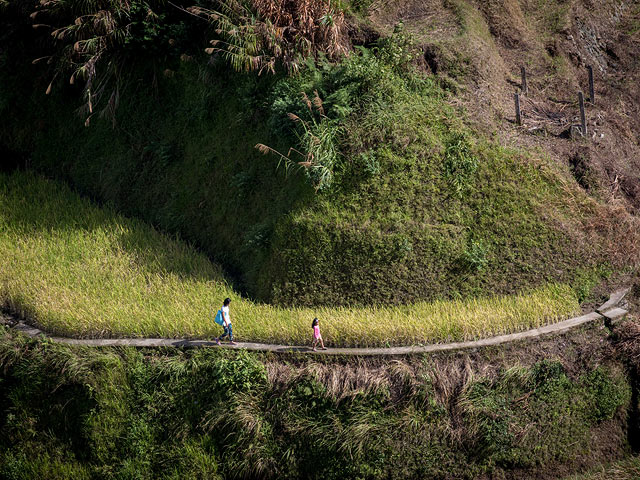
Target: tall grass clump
[(81, 270), (625, 469), (318, 142), (264, 35), (95, 45)]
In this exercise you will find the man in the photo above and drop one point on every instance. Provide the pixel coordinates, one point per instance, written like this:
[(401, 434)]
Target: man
[(226, 322)]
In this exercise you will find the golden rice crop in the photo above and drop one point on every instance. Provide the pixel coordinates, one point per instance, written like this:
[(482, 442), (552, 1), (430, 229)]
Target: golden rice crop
[(77, 269)]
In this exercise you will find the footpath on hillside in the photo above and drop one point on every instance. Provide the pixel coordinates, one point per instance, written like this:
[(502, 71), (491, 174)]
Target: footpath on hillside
[(610, 313)]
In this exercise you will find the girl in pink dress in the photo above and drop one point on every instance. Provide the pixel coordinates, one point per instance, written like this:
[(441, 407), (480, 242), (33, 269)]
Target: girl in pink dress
[(316, 335)]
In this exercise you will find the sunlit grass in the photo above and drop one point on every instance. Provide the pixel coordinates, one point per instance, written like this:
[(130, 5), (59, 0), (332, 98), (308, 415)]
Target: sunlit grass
[(77, 269)]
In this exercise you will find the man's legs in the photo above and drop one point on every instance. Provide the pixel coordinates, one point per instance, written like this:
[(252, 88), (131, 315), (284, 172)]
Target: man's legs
[(226, 332), (231, 335)]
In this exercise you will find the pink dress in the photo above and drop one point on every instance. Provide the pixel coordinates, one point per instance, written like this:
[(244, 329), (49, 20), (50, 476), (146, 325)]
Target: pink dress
[(316, 331)]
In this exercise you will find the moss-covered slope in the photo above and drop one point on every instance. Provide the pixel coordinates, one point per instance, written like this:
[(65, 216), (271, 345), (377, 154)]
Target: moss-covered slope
[(399, 200)]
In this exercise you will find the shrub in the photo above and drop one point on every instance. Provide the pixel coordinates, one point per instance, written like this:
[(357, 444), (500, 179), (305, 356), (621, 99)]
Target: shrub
[(459, 163), (240, 372), (607, 391), (475, 255), (506, 418)]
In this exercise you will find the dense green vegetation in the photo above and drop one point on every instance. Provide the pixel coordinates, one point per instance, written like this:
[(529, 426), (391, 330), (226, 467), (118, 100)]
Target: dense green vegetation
[(391, 198), (342, 186), (120, 413), (78, 269)]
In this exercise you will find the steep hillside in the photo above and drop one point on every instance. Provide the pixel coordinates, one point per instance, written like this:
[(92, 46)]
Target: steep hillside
[(482, 46), (391, 193)]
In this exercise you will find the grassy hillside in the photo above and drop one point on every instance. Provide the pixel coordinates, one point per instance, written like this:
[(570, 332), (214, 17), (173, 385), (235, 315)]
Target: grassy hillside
[(78, 269), (481, 46), (402, 200), (74, 413)]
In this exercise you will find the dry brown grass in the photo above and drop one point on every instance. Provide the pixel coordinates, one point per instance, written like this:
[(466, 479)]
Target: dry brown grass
[(318, 22), (628, 340), (260, 34), (450, 379), (399, 379), (618, 232), (506, 21), (627, 469)]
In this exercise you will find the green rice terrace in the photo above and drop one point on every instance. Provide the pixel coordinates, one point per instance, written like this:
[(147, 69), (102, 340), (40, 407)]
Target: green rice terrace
[(356, 161), (79, 270)]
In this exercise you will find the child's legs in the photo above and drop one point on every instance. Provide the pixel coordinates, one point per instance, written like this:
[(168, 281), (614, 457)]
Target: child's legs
[(230, 333)]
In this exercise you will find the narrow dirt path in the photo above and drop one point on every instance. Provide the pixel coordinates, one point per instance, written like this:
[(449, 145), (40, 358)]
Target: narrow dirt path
[(609, 313)]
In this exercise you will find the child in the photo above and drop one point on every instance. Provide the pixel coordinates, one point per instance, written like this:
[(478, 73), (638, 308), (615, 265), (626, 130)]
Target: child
[(316, 334), (226, 322)]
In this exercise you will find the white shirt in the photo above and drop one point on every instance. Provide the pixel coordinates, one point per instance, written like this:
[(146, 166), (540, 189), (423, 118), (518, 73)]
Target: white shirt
[(225, 314)]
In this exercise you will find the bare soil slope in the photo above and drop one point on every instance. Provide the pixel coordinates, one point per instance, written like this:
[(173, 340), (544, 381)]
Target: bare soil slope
[(482, 44)]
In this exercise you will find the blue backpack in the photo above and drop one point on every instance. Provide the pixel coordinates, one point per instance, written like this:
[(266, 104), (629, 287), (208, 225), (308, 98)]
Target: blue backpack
[(218, 318)]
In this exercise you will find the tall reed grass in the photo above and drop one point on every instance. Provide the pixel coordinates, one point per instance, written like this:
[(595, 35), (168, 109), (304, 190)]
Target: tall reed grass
[(77, 269)]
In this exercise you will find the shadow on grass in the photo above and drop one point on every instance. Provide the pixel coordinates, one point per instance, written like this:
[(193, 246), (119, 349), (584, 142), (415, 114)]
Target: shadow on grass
[(35, 207)]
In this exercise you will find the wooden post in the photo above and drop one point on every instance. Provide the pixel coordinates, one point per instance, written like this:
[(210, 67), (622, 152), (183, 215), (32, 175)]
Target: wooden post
[(583, 118), (592, 92), (523, 84), (516, 97)]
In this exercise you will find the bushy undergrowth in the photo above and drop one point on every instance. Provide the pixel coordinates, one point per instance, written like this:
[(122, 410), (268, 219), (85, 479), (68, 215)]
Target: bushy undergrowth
[(78, 269), (505, 429), (420, 206), (119, 413), (392, 198)]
